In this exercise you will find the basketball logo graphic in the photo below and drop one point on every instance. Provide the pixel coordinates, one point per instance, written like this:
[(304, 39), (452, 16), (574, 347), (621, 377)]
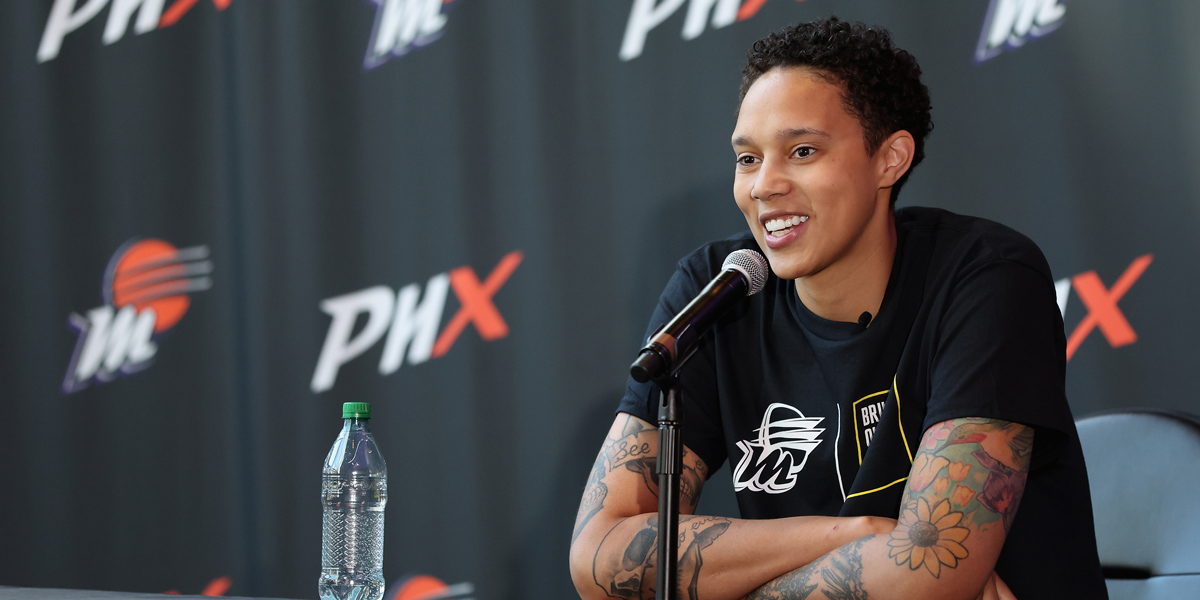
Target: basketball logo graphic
[(146, 292)]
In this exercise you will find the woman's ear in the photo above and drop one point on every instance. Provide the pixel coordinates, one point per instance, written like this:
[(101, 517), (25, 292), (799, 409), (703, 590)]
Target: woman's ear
[(896, 154)]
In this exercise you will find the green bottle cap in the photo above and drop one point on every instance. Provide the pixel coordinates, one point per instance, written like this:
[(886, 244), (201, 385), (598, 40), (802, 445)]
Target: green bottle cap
[(356, 410)]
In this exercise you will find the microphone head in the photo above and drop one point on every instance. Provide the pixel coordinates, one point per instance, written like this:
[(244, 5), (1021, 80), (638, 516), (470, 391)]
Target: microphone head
[(752, 265)]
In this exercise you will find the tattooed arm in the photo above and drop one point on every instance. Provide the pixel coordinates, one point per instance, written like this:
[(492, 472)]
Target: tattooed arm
[(614, 547), (962, 494)]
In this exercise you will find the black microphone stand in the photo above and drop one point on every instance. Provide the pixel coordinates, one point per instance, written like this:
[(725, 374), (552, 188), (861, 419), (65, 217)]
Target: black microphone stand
[(742, 274), (669, 468), (670, 464)]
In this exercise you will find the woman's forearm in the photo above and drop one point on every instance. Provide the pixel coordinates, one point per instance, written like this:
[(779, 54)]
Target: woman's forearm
[(719, 558)]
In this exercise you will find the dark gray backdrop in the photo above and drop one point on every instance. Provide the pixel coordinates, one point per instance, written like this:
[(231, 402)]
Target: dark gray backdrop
[(258, 131)]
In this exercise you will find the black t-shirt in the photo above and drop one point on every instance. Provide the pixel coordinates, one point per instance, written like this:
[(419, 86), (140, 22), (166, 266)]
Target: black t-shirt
[(823, 418)]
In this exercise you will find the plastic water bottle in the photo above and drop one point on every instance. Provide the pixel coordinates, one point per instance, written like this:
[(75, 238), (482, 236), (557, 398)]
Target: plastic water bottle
[(353, 494)]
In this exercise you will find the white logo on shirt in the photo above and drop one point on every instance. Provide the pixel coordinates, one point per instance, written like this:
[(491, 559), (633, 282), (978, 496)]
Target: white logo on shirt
[(771, 462)]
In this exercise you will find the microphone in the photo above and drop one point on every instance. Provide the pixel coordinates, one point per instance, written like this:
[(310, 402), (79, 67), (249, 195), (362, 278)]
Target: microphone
[(744, 273), (864, 319)]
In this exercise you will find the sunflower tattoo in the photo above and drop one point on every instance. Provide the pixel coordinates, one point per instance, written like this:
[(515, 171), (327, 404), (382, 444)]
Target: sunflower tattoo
[(929, 537)]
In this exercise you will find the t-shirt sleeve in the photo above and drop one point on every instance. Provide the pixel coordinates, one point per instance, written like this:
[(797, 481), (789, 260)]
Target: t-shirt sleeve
[(1001, 353), (701, 415)]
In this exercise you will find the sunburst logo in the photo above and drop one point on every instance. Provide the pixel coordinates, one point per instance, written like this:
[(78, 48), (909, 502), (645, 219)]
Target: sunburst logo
[(146, 291)]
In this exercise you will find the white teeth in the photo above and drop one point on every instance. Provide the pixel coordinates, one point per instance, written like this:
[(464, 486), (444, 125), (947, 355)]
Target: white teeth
[(775, 225)]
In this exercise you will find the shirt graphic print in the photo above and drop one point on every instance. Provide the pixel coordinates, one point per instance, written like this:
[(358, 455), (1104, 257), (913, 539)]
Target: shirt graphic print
[(771, 461)]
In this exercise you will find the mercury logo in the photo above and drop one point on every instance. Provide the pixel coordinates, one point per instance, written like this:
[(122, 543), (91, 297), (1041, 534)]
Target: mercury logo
[(402, 26), (772, 460), (66, 16), (1011, 23), (411, 325), (145, 291)]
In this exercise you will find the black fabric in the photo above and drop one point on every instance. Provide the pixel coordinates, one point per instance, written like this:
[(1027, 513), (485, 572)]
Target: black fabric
[(822, 417)]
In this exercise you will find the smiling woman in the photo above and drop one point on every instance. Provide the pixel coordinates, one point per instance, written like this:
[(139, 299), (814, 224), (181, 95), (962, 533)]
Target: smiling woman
[(801, 157), (949, 324)]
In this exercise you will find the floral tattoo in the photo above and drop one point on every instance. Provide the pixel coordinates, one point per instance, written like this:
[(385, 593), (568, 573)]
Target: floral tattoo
[(968, 476), (929, 537)]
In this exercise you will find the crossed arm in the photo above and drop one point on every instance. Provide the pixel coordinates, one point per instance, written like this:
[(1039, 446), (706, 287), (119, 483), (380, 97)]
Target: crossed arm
[(960, 498)]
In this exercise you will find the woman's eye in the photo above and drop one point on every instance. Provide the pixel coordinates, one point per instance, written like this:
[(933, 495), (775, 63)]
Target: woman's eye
[(803, 152)]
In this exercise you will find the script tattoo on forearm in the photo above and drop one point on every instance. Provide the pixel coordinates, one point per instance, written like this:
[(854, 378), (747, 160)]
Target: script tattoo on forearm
[(631, 448), (629, 572), (968, 476), (838, 575), (635, 450)]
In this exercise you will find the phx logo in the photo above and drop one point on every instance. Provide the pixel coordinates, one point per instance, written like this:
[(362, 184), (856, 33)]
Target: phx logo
[(145, 291), (648, 14), (426, 587), (66, 16), (1101, 304), (411, 325)]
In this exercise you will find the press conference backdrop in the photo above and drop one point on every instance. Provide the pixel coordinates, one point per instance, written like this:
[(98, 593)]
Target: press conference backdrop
[(222, 219)]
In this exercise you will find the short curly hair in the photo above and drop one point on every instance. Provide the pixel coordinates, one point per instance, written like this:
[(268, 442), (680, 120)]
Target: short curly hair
[(881, 84)]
